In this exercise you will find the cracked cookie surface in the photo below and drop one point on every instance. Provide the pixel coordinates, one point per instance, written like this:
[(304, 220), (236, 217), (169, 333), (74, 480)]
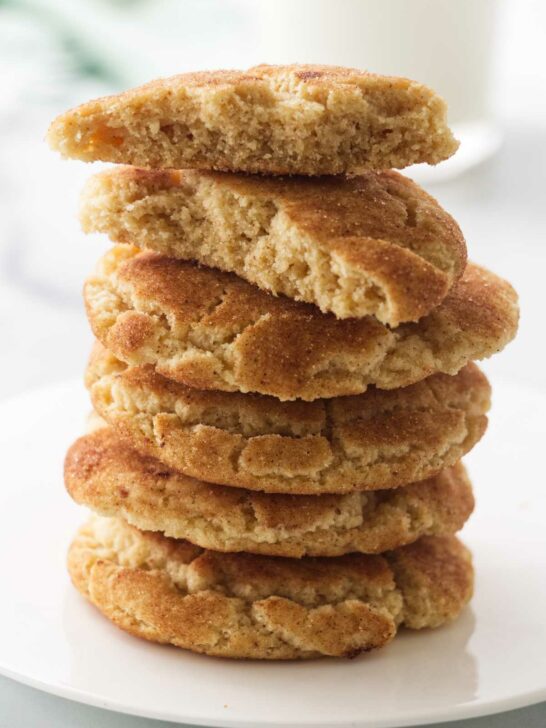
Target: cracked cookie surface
[(308, 119), (248, 606), (376, 244), (380, 439), (213, 330)]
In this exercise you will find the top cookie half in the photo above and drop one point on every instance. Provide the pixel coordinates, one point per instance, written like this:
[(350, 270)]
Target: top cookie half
[(310, 120)]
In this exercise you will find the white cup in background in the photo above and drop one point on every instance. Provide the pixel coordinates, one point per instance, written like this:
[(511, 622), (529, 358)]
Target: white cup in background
[(447, 44)]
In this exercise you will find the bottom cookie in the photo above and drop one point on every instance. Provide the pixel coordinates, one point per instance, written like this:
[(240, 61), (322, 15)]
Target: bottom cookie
[(248, 606)]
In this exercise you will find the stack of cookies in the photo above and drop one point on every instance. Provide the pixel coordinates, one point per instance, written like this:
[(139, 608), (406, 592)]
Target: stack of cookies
[(283, 380)]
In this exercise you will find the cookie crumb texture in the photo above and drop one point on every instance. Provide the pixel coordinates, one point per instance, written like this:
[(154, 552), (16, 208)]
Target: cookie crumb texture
[(247, 606), (103, 473), (381, 439), (376, 244), (311, 120)]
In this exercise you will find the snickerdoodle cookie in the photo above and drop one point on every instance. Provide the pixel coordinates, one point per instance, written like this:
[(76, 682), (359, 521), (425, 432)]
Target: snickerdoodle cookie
[(213, 330), (375, 244), (380, 439), (105, 474), (248, 606), (270, 119)]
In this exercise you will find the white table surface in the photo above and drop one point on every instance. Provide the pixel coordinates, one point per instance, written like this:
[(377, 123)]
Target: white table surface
[(501, 207)]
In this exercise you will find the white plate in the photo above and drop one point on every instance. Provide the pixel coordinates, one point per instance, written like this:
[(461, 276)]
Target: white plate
[(492, 659)]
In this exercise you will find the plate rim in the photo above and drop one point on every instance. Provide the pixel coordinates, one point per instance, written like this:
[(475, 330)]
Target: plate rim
[(476, 709)]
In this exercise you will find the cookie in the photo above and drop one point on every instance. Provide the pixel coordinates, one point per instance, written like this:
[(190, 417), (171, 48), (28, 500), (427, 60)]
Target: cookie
[(311, 120), (381, 439), (371, 245), (103, 473), (248, 606), (212, 330)]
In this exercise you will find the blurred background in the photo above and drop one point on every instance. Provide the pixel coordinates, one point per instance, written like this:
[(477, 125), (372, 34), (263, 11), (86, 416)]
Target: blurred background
[(487, 57)]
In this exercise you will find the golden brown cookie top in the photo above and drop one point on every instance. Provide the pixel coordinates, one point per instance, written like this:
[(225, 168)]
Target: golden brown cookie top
[(373, 244), (243, 605), (310, 120), (105, 474), (380, 439), (212, 330)]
